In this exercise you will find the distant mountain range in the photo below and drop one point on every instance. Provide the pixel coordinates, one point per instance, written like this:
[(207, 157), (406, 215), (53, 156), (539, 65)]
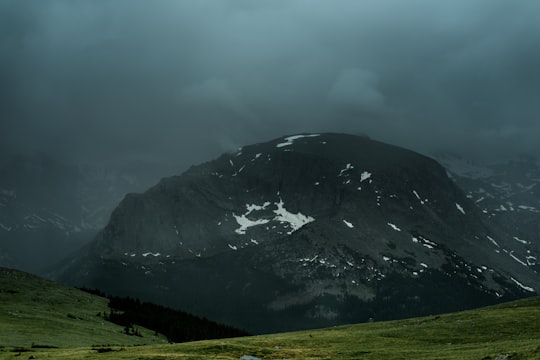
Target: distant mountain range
[(49, 209), (508, 194), (313, 230)]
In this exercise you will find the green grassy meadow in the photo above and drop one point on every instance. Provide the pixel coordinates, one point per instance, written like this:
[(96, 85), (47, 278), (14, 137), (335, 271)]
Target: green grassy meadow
[(36, 311), (40, 312)]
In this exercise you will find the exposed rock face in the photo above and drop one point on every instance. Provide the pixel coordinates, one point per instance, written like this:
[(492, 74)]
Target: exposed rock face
[(304, 231)]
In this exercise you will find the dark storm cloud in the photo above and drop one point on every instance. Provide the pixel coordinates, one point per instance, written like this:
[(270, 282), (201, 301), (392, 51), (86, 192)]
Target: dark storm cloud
[(183, 81)]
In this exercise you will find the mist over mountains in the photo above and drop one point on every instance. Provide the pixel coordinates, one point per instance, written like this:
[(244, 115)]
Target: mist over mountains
[(49, 208), (110, 83), (111, 114)]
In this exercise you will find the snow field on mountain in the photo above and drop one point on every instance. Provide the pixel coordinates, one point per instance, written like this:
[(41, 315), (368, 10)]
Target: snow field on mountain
[(282, 215), (290, 139)]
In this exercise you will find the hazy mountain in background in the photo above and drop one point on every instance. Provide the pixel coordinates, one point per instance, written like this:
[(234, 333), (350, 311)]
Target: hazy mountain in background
[(507, 193), (307, 231), (49, 208)]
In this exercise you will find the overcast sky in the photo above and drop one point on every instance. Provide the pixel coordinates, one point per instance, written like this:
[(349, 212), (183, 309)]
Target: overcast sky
[(182, 81)]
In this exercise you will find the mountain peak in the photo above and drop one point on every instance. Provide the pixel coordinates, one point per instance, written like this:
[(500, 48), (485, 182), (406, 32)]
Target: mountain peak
[(273, 188), (316, 216)]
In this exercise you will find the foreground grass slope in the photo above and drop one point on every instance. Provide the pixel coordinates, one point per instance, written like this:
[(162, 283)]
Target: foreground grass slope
[(40, 312), (509, 331)]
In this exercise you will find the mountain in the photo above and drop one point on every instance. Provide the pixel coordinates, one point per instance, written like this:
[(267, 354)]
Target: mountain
[(508, 193), (306, 231), (49, 209)]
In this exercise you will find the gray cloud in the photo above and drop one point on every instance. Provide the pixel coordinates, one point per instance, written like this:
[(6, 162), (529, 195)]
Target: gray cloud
[(356, 88), (182, 81)]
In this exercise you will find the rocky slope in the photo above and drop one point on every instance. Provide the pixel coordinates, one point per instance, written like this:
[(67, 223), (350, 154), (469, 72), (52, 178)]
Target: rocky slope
[(508, 194), (304, 231)]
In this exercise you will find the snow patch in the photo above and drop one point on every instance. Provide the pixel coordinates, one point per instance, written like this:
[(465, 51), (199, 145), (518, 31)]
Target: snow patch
[(460, 208), (520, 240), (153, 254), (418, 197), (347, 168), (492, 240), (232, 247), (430, 242), (425, 242), (246, 223), (239, 171), (364, 176), (348, 224), (394, 227), (6, 228), (531, 260), (527, 288), (290, 139), (530, 208), (296, 221), (252, 207), (517, 259)]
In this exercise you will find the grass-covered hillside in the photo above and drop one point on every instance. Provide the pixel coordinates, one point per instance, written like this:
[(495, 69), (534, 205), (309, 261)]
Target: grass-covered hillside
[(38, 312), (508, 331)]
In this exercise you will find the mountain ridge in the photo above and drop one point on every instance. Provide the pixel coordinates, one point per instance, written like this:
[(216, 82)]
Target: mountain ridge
[(332, 222)]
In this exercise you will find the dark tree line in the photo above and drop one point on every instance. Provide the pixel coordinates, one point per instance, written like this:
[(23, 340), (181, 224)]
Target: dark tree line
[(177, 326)]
